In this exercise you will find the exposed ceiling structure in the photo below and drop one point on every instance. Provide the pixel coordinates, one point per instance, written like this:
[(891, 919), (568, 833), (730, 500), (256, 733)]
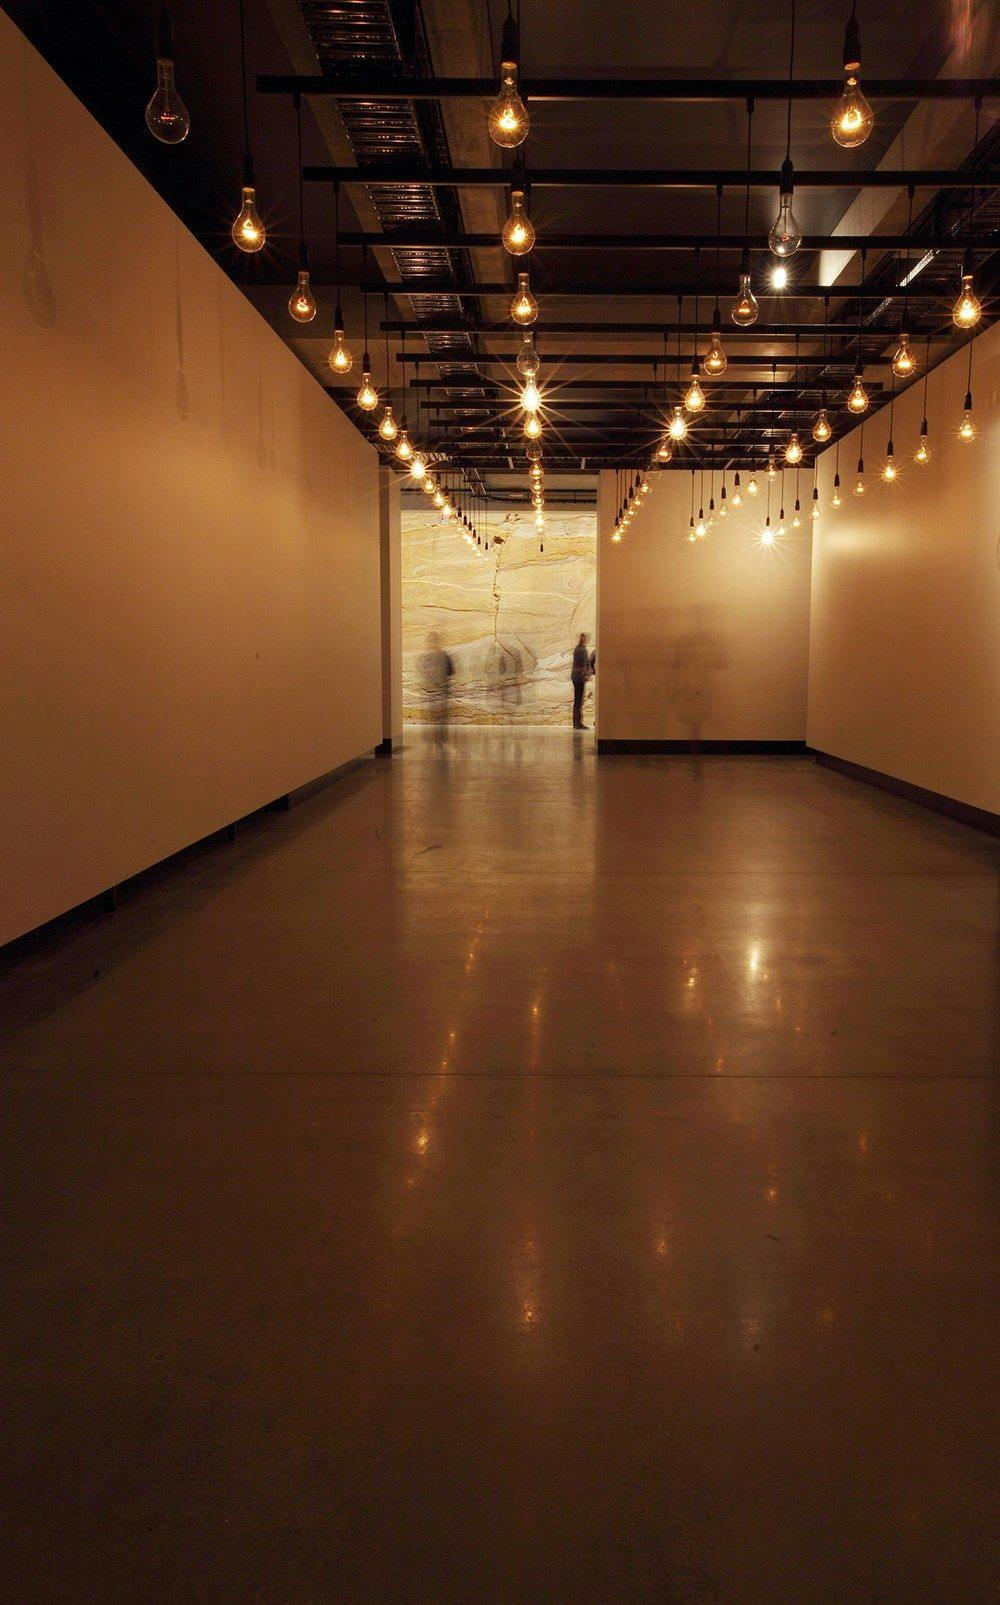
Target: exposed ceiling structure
[(652, 163)]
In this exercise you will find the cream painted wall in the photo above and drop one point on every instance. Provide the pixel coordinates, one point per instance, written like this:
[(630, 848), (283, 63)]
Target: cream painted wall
[(905, 637), (189, 559), (707, 640)]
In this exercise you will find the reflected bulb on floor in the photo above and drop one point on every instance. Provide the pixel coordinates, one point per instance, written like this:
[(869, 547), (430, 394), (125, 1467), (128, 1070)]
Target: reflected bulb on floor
[(524, 307), (166, 114), (903, 362), (678, 425), (518, 234), (387, 428), (248, 230), (302, 302)]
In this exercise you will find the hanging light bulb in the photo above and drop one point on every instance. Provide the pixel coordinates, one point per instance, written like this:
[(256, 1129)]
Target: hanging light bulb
[(903, 363), (524, 307), (694, 401), (857, 401), (527, 358), (341, 358), (701, 528), (745, 310), (772, 467), (715, 358), (814, 509), (645, 487), (723, 508), (665, 450), (821, 429), (507, 120), (781, 522), (967, 428), (530, 397), (835, 498), (387, 428), (853, 118), (532, 426), (439, 497), (691, 531), (418, 466), (302, 303), (166, 114), (767, 533), (889, 466), (535, 471), (533, 452), (404, 451), (793, 451), (539, 520), (779, 276), (248, 232), (859, 488), (428, 487), (737, 493), (752, 489), (678, 425), (518, 234), (967, 310), (785, 236), (447, 511), (923, 451), (797, 515), (367, 394)]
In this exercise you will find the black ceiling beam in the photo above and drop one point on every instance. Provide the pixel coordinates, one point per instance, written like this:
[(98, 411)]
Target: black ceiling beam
[(653, 178), (731, 331), (713, 387), (624, 359), (436, 287), (421, 240), (395, 86), (629, 386)]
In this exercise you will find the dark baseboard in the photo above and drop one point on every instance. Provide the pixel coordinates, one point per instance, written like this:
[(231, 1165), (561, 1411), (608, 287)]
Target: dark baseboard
[(107, 901), (609, 748), (964, 813), (384, 748)]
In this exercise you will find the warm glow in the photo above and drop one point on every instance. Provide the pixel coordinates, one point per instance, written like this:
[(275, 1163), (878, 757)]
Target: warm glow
[(524, 307), (518, 234), (694, 401), (665, 450), (248, 230), (302, 304), (835, 498), (859, 488), (527, 358), (530, 397), (923, 451), (821, 428), (439, 497), (387, 428), (793, 451), (678, 425), (508, 116), (404, 451), (889, 471), (903, 362), (853, 118), (532, 426), (341, 359), (418, 467), (701, 528), (767, 534), (367, 395), (967, 310), (616, 536), (967, 429), (166, 114), (737, 499), (745, 309), (772, 467), (857, 401), (715, 358), (779, 276), (752, 485)]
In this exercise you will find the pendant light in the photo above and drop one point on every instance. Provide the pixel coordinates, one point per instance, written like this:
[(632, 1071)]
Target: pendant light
[(694, 399), (527, 358), (691, 533), (677, 428), (665, 448), (797, 510), (745, 310), (518, 234), (821, 429), (387, 428), (767, 533), (857, 401), (853, 118), (903, 361), (248, 232), (508, 116), (859, 488), (524, 307), (814, 509), (967, 428), (715, 358), (835, 498), (889, 470), (922, 454), (737, 492), (967, 310), (341, 357), (752, 481), (404, 451), (367, 394), (302, 302), (785, 236), (166, 114), (781, 510)]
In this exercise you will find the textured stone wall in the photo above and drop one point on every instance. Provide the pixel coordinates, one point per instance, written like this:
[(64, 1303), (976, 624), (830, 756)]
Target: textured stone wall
[(508, 623)]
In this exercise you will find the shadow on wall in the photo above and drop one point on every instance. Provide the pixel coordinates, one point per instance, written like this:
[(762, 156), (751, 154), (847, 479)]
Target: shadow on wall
[(672, 676)]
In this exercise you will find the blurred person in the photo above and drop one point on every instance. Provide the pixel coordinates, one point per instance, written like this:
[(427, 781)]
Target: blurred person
[(436, 670), (584, 663)]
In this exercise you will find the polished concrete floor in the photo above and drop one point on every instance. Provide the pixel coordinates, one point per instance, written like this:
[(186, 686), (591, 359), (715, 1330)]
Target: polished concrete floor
[(513, 1176)]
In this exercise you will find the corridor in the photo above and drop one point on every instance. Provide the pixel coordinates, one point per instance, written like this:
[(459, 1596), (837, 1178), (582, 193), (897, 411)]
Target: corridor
[(508, 1176)]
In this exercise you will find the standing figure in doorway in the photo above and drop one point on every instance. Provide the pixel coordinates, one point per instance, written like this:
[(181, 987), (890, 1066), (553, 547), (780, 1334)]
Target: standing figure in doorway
[(436, 670), (583, 668)]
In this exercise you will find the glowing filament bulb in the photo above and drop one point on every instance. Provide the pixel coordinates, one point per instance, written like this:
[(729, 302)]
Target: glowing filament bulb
[(967, 428), (341, 358), (532, 426), (694, 401), (387, 428), (367, 394), (678, 425), (752, 485), (772, 467), (723, 509), (535, 471), (835, 498), (821, 428), (737, 493), (530, 397), (903, 363), (853, 118), (767, 533), (701, 528), (745, 309), (814, 509), (439, 497), (524, 307), (616, 534), (691, 533), (859, 488), (302, 303), (779, 276), (923, 451), (665, 450), (248, 230), (507, 120), (967, 310), (166, 114), (793, 451), (518, 235), (539, 521), (797, 515), (889, 467), (645, 487), (857, 401), (447, 511), (418, 467), (404, 451), (715, 358)]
